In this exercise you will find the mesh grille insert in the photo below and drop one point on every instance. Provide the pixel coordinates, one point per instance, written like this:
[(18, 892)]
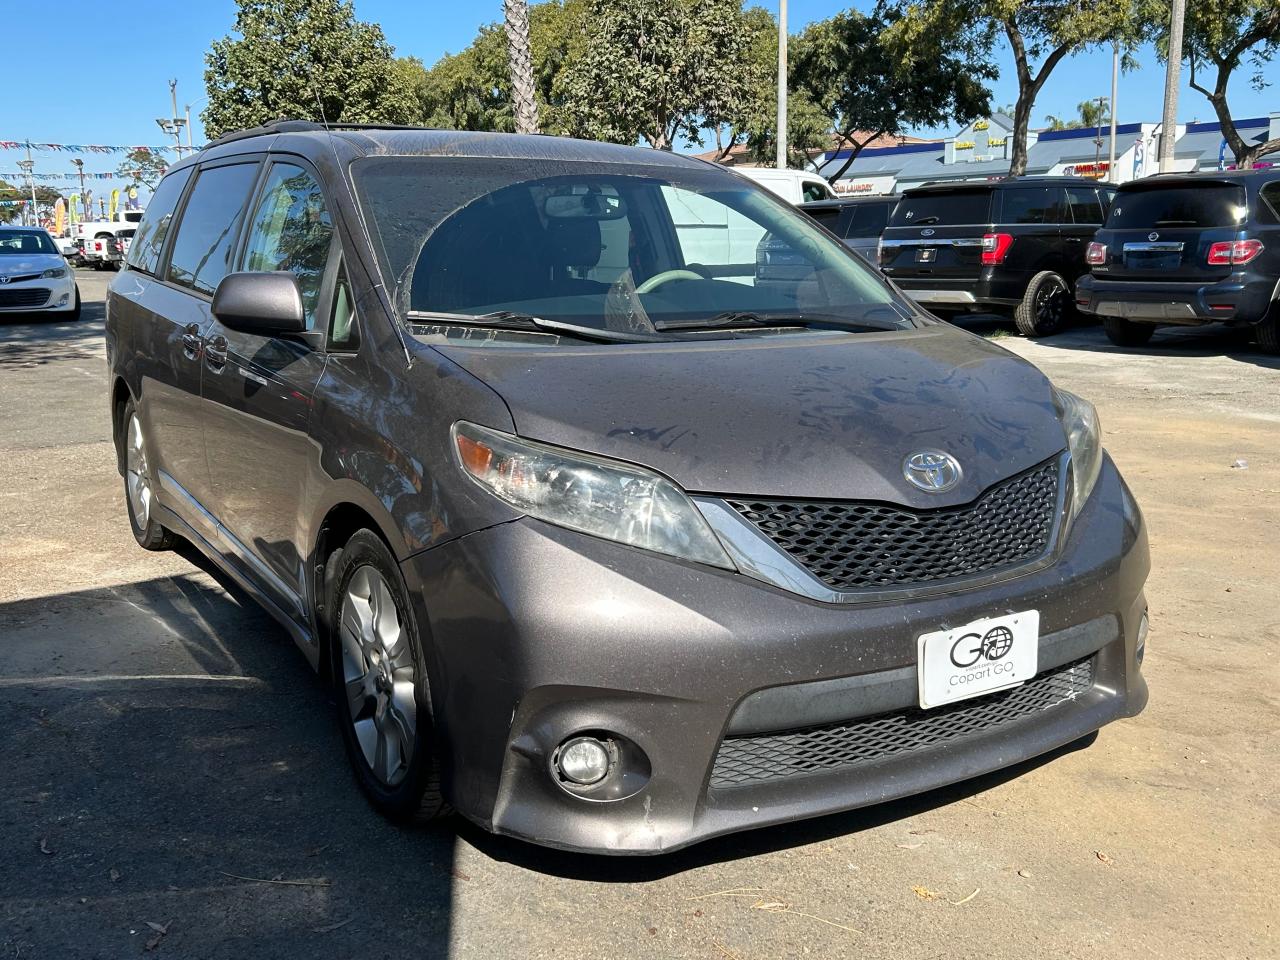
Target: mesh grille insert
[(26, 297), (777, 756), (859, 545)]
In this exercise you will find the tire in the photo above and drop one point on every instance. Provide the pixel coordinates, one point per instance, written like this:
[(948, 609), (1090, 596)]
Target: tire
[(1046, 306), (376, 673), (139, 490), (1268, 331), (1126, 333), (75, 311)]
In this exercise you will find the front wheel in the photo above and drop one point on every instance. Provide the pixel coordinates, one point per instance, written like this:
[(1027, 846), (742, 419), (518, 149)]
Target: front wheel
[(1046, 306), (1126, 333), (380, 683)]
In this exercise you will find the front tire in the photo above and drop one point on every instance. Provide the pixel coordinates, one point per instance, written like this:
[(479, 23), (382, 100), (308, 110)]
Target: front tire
[(139, 484), (75, 311), (1046, 306), (380, 683), (1126, 333)]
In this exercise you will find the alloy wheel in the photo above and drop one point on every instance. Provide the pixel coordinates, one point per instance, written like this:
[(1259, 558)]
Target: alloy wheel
[(378, 676), (1049, 304), (137, 473)]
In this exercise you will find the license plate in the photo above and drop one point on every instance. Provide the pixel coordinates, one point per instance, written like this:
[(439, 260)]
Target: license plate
[(926, 255), (980, 657)]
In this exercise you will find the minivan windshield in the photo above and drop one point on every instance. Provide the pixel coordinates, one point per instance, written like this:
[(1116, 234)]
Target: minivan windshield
[(1205, 204), (946, 207), (630, 249)]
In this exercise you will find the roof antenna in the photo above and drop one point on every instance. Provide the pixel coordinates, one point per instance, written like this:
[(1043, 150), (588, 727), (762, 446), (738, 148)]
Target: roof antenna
[(351, 196)]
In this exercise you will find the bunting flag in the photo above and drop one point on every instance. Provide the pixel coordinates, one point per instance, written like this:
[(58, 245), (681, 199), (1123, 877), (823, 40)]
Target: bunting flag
[(77, 147), (63, 176)]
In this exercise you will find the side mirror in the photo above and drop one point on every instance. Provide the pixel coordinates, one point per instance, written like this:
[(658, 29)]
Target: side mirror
[(268, 304)]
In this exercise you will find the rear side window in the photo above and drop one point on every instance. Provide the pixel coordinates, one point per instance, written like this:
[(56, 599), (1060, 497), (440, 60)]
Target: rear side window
[(1269, 209), (1206, 204), (1085, 206), (148, 242), (291, 230), (206, 237), (943, 207), (868, 220), (1030, 205)]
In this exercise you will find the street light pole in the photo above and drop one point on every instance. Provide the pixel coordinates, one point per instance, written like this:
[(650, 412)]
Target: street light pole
[(28, 166), (1115, 90), (84, 204), (782, 86), (1172, 77)]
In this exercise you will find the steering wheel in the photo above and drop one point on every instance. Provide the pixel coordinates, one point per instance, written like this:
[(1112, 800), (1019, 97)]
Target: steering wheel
[(666, 276)]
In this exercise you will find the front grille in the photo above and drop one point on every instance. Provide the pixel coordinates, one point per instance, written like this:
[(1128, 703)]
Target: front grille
[(22, 277), (777, 756), (860, 545), (28, 297)]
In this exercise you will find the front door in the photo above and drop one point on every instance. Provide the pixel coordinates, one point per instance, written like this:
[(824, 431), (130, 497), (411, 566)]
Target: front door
[(257, 394)]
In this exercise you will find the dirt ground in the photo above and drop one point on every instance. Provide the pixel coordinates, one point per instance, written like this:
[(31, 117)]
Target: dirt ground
[(173, 784)]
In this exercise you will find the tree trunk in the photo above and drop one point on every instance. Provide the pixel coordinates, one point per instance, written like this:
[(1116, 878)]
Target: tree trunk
[(524, 100), (1245, 155), (1028, 89)]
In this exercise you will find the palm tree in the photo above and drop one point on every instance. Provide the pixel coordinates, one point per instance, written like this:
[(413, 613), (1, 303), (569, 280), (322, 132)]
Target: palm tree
[(522, 94)]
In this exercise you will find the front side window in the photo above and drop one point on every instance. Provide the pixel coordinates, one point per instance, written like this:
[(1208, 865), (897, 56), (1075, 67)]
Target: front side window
[(206, 237), (148, 242), (637, 248), (815, 190), (291, 230)]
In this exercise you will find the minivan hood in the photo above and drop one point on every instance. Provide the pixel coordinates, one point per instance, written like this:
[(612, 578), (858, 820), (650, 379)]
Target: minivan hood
[(788, 416)]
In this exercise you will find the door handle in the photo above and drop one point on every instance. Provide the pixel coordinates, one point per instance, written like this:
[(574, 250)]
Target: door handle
[(215, 353), (191, 341)]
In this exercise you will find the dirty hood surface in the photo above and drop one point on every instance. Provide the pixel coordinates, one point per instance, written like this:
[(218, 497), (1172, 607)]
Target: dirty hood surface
[(791, 416)]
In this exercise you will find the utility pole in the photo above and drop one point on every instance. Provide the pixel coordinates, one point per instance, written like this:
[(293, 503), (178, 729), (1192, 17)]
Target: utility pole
[(1097, 139), (782, 85), (1115, 90), (28, 167), (1172, 78), (190, 146)]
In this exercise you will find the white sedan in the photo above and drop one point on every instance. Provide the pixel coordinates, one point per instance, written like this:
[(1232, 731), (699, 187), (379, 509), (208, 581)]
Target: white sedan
[(34, 277)]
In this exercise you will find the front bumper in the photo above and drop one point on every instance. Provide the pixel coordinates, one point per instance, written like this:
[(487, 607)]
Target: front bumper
[(39, 296), (538, 633), (1242, 298)]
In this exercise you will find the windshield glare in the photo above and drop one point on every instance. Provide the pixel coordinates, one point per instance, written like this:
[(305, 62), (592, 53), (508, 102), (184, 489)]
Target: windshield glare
[(25, 242), (629, 248)]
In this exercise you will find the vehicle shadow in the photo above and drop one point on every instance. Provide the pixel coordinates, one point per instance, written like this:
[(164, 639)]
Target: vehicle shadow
[(30, 340), (169, 758)]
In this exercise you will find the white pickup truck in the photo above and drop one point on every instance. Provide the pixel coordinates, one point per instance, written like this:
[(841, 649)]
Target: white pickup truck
[(103, 244)]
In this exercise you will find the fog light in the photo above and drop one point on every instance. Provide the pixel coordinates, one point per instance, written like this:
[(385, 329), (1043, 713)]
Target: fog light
[(63, 302), (1143, 626), (583, 760)]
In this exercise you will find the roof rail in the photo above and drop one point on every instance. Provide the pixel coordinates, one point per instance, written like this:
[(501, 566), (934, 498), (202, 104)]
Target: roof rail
[(304, 126)]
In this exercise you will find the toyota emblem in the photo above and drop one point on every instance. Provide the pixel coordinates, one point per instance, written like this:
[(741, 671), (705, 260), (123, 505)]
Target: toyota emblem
[(931, 471), (4, 279)]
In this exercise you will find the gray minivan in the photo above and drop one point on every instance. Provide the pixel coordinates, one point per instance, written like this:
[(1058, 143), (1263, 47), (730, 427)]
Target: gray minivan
[(605, 534)]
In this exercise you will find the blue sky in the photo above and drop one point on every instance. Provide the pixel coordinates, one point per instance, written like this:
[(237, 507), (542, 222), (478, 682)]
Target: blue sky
[(135, 48)]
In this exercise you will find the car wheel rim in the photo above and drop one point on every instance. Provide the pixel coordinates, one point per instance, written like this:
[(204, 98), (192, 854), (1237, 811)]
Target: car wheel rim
[(137, 473), (1049, 304), (378, 676)]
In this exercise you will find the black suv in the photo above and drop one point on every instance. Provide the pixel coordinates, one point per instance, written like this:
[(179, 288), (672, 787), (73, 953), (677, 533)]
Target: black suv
[(1014, 246), (858, 221), (1188, 249)]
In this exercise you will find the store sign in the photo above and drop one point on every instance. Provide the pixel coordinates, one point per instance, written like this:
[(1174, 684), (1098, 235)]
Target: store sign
[(981, 125), (1094, 171), (862, 188), (965, 144)]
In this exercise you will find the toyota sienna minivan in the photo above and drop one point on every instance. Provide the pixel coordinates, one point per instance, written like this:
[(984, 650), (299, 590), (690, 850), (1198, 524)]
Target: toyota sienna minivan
[(606, 534)]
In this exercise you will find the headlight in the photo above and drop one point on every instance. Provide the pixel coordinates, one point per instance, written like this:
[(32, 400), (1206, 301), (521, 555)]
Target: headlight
[(54, 273), (590, 494), (1084, 441)]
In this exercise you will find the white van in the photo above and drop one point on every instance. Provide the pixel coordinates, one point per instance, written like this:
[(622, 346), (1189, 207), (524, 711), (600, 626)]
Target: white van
[(794, 186)]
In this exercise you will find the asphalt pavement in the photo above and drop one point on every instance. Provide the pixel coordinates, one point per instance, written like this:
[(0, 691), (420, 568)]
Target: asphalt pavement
[(174, 784)]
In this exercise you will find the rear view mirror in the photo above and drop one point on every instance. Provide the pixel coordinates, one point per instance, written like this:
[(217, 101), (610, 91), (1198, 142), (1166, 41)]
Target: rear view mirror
[(592, 205), (264, 303)]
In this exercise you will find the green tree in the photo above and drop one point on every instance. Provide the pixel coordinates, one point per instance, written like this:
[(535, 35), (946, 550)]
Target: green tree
[(1089, 113), (880, 75), (294, 56), (1040, 34), (1218, 39), (657, 70), (142, 168)]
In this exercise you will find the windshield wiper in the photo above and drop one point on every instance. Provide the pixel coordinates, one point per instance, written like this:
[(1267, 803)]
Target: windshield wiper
[(922, 220), (513, 320), (745, 319)]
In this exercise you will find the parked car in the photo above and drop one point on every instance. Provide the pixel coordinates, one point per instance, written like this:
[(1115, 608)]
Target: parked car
[(794, 186), (858, 221), (34, 277), (606, 547), (1188, 249), (1014, 247)]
